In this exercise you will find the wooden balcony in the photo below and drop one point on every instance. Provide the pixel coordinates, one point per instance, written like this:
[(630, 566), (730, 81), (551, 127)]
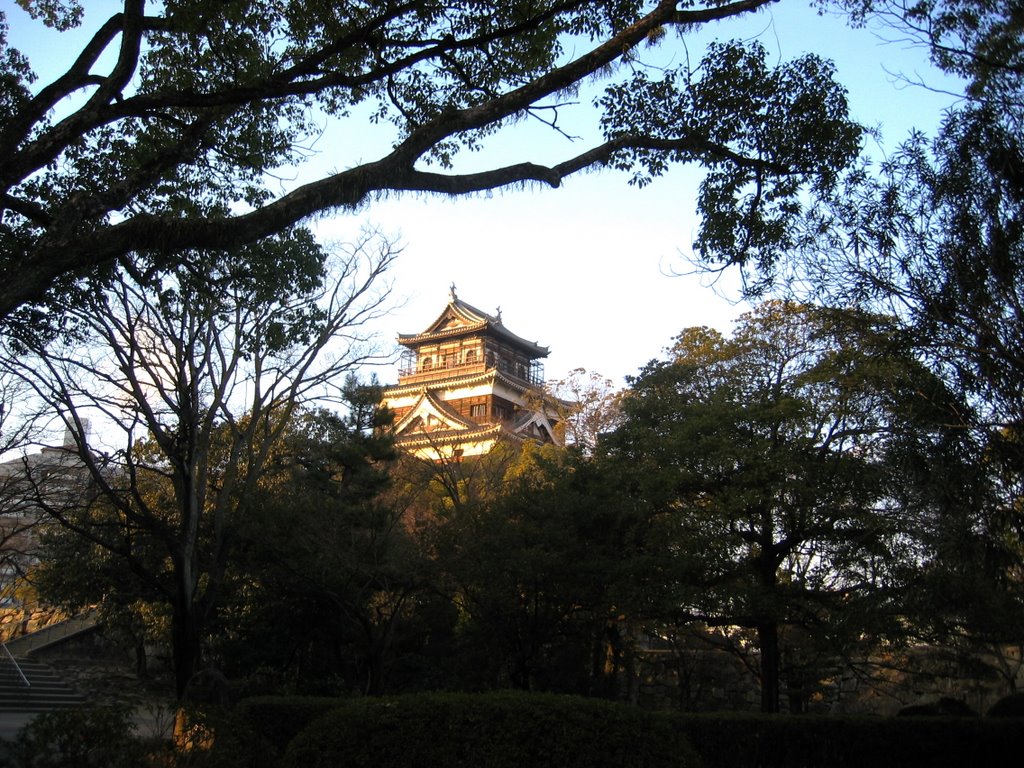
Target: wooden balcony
[(532, 374), (407, 374)]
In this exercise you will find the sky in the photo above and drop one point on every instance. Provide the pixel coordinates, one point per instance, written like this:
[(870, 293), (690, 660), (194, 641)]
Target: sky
[(596, 270)]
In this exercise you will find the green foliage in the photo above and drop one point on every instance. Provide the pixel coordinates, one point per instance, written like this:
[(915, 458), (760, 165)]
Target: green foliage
[(325, 548), (490, 731), (977, 40), (943, 707), (179, 117), (533, 571), (727, 741), (793, 116), (933, 236), (773, 468), (1008, 706), (278, 719), (200, 369), (255, 733), (100, 737), (59, 14)]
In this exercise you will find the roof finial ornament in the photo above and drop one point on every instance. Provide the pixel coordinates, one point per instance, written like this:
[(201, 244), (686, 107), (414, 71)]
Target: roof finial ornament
[(451, 292), (498, 314)]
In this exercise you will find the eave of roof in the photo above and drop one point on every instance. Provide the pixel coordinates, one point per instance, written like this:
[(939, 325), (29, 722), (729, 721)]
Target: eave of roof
[(439, 406), (476, 321), (449, 436), (487, 377)]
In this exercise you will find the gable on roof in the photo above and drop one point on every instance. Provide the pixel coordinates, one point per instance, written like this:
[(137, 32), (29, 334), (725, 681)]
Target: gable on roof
[(458, 318), (430, 413), (459, 315), (535, 425)]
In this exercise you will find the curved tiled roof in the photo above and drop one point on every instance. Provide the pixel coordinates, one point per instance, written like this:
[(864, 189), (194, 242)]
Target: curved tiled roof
[(455, 382), (440, 407), (473, 321), (447, 437)]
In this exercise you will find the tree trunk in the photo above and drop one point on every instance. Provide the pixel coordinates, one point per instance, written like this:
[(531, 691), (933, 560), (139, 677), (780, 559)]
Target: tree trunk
[(768, 641), (141, 667), (184, 645), (374, 672)]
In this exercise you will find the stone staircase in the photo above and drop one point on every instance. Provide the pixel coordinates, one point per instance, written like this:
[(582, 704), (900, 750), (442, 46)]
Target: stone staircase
[(38, 688), (30, 686)]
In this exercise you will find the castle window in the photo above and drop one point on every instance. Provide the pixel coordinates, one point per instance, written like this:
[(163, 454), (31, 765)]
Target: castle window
[(427, 364), (470, 356), (478, 411)]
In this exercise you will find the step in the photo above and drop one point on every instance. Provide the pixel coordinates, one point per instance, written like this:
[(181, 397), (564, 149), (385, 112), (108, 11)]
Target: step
[(46, 689)]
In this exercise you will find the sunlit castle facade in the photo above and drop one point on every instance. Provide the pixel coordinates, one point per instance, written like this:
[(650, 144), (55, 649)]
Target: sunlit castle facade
[(466, 383)]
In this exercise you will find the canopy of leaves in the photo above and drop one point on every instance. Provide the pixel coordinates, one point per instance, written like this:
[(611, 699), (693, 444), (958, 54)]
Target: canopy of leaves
[(164, 133), (533, 570), (934, 236), (778, 467)]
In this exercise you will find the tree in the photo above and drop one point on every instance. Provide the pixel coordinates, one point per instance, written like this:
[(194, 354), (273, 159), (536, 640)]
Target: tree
[(531, 568), (21, 427), (955, 266), (933, 236), (331, 579), (587, 406), (977, 40), (198, 373), (785, 470), (162, 136)]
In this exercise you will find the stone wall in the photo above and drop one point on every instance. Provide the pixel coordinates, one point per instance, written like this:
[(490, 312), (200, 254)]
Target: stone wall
[(18, 621)]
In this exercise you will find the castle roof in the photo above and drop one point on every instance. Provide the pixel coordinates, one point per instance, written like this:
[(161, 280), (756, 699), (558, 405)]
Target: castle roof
[(490, 378), (460, 318)]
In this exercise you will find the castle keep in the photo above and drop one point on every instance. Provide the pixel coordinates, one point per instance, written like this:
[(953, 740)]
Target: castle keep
[(467, 382)]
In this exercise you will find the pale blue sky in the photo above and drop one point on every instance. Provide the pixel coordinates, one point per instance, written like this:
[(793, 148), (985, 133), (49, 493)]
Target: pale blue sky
[(585, 269)]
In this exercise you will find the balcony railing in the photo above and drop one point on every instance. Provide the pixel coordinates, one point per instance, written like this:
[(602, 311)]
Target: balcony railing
[(532, 372), (409, 370)]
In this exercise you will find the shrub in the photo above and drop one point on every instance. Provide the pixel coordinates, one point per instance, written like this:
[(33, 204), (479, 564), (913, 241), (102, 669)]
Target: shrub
[(780, 741), (94, 737), (944, 707), (255, 733), (1008, 706), (496, 730)]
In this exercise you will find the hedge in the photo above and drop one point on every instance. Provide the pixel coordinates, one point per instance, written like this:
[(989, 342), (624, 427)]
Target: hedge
[(257, 731), (783, 741), (499, 730)]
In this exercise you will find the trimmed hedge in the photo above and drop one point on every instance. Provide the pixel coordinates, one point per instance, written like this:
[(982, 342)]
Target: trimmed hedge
[(505, 729), (1008, 706), (257, 731), (783, 741), (499, 730), (278, 719), (944, 707)]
